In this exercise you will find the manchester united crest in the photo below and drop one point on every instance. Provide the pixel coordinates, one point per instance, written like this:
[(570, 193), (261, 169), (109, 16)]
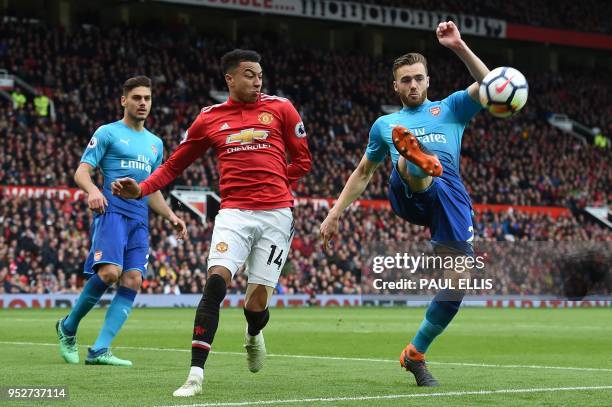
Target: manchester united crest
[(265, 118), (222, 247)]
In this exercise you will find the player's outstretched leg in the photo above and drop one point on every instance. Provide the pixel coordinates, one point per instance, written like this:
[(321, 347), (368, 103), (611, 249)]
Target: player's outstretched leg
[(440, 313), (66, 328), (257, 315), (204, 329), (415, 152)]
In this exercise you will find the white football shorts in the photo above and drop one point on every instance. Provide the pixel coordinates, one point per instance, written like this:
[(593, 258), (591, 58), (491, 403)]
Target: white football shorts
[(259, 238)]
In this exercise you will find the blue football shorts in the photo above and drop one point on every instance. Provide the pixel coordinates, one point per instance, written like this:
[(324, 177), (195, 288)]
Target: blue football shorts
[(120, 240), (443, 209)]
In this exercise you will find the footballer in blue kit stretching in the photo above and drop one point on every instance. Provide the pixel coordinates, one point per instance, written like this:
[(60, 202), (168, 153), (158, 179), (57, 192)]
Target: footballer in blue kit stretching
[(120, 232), (425, 188)]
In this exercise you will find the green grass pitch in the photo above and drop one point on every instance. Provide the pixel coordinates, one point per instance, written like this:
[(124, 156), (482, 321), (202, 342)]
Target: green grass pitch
[(329, 357)]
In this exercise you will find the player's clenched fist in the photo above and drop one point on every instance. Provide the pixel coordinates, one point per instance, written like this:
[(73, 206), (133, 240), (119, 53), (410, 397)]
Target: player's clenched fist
[(329, 228), (448, 34), (126, 188), (96, 201)]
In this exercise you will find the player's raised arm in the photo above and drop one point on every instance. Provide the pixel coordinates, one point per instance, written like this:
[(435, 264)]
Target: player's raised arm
[(449, 36), (193, 146), (294, 135)]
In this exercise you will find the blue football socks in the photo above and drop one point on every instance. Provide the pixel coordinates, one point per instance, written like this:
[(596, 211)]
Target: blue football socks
[(439, 314), (117, 314), (92, 291)]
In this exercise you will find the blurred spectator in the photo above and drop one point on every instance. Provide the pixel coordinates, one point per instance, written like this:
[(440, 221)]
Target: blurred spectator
[(19, 99)]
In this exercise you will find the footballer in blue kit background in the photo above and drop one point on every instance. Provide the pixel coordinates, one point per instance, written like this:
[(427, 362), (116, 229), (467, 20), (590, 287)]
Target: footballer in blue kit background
[(120, 235), (120, 232)]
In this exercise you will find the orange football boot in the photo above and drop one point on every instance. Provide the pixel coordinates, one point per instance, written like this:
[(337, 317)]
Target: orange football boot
[(414, 151), (414, 361)]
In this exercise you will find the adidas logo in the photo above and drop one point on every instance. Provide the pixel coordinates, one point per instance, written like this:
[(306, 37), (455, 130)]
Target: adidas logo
[(224, 127)]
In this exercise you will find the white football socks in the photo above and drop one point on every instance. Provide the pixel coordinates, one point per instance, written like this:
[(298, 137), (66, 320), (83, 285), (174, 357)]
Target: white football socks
[(196, 371)]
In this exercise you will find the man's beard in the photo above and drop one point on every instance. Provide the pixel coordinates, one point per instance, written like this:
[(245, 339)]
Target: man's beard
[(135, 118), (414, 103)]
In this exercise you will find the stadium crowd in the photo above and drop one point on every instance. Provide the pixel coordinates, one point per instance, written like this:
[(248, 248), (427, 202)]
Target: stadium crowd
[(43, 243), (587, 15), (184, 68)]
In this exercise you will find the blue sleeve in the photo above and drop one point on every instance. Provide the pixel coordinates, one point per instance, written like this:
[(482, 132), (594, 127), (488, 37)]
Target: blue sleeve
[(463, 106), (97, 147), (160, 155), (377, 147)]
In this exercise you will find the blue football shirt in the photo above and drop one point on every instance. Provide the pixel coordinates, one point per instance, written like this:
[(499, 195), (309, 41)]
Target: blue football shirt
[(121, 151), (439, 125)]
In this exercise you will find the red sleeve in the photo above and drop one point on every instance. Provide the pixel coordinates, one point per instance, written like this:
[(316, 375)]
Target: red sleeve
[(294, 134), (193, 146)]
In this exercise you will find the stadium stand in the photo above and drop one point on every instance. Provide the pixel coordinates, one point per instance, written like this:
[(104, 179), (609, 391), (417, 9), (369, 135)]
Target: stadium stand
[(43, 246), (85, 99), (523, 161), (565, 14)]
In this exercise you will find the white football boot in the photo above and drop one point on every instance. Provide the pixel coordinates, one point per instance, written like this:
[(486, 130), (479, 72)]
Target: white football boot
[(256, 351), (192, 387)]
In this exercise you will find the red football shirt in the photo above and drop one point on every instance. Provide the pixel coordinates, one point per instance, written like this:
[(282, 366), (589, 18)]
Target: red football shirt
[(250, 140)]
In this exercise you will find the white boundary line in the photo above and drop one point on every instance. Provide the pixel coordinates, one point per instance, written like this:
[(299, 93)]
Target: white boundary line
[(393, 396), (348, 359)]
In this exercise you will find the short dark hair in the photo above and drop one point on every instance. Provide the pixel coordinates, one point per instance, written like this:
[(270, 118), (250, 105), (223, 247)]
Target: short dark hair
[(409, 59), (135, 82), (232, 59)]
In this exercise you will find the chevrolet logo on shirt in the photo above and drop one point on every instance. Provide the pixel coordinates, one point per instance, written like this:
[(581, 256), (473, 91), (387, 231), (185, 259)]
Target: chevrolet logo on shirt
[(247, 136)]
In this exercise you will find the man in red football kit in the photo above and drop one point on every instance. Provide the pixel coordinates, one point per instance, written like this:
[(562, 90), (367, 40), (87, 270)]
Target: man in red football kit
[(250, 133)]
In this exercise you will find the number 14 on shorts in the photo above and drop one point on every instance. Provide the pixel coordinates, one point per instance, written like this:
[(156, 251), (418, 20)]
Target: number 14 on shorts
[(278, 260)]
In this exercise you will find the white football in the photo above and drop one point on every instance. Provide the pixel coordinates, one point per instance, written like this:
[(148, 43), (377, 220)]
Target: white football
[(503, 92)]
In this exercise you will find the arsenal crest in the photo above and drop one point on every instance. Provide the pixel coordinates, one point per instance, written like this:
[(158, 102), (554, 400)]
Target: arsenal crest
[(435, 110)]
